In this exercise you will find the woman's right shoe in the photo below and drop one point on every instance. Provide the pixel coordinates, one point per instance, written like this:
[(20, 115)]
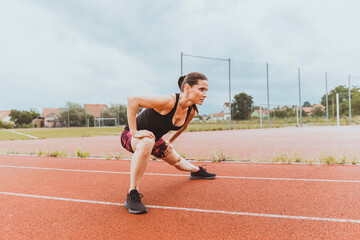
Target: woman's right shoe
[(133, 202)]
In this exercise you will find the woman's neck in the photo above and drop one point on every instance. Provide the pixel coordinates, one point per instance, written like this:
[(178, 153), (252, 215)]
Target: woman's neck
[(184, 102)]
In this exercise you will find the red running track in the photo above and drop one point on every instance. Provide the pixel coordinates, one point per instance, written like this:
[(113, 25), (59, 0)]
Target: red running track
[(64, 198)]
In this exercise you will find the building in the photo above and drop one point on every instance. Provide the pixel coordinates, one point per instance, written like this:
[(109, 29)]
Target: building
[(224, 115), (264, 113), (310, 110), (96, 109), (4, 116), (51, 117), (39, 122)]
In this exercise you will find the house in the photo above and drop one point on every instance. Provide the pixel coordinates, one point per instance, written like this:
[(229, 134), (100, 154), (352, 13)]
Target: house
[(39, 121), (264, 113), (224, 115), (51, 117), (4, 116), (95, 109), (309, 110)]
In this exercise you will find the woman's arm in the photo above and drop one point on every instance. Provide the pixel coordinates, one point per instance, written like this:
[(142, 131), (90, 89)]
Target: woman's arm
[(134, 102)]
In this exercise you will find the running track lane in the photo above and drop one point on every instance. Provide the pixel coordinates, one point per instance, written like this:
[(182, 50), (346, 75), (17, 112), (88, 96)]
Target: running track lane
[(45, 218)]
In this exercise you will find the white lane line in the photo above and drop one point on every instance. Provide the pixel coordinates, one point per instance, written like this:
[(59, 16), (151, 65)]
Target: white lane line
[(190, 209), (23, 134), (183, 175)]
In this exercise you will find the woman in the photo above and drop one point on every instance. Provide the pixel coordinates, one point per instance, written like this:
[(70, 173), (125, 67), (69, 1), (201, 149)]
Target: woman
[(143, 134)]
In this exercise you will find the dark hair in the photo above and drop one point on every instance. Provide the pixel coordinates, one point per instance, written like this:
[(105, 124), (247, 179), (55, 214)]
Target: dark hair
[(191, 79)]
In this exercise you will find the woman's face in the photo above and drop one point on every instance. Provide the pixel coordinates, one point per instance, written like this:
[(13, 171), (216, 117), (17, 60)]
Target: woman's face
[(197, 93)]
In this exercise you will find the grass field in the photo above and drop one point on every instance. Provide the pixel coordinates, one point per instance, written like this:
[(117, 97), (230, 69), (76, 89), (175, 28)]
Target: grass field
[(200, 126), (60, 133)]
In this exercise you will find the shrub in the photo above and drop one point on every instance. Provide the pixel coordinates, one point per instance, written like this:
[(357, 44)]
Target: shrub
[(9, 125), (82, 154)]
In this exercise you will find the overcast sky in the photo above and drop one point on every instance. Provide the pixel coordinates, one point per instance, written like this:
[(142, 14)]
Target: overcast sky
[(100, 52)]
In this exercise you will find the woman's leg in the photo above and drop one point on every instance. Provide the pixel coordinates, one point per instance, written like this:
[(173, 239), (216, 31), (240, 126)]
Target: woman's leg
[(142, 150), (180, 163)]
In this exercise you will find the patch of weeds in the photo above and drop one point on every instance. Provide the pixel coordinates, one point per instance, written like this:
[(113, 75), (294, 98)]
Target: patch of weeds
[(220, 156), (56, 153), (13, 152), (53, 154), (82, 154), (118, 156), (343, 160), (328, 159), (63, 154), (274, 159), (298, 158), (312, 161), (41, 153)]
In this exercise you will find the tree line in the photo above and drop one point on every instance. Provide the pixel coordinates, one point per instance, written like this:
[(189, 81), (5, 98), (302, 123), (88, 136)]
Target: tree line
[(242, 105), (241, 108), (71, 111)]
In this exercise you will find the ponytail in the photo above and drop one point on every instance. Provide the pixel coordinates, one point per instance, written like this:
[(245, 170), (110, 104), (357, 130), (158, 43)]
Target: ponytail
[(181, 81)]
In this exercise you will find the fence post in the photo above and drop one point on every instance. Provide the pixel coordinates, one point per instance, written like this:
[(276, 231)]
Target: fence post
[(337, 110), (268, 97), (181, 60), (327, 101), (349, 102), (230, 91), (300, 97)]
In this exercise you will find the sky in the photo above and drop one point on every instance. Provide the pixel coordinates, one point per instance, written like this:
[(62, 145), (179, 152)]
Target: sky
[(100, 52)]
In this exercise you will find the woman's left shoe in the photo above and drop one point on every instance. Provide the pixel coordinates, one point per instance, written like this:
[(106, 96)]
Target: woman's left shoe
[(202, 174)]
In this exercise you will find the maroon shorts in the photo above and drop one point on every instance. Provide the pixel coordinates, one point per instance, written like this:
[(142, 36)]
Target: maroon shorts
[(158, 150)]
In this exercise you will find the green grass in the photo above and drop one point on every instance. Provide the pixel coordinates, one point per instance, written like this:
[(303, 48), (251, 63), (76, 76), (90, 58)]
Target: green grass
[(6, 135), (60, 133), (195, 126), (275, 123)]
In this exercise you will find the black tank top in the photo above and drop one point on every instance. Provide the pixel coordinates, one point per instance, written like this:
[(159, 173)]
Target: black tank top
[(157, 123)]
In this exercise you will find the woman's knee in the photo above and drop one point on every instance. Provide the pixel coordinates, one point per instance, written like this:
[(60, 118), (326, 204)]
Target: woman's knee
[(145, 144)]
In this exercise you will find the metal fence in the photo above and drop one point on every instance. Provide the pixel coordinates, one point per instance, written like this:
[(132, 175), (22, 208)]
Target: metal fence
[(271, 85)]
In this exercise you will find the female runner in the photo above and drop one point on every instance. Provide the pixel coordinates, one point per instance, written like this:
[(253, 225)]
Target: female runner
[(143, 135)]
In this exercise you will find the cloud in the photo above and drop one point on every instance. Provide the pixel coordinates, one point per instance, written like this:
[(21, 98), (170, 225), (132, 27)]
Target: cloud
[(50, 63), (102, 51)]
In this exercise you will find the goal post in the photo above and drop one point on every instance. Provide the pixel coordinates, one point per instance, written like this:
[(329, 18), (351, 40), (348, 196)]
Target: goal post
[(292, 106), (100, 122)]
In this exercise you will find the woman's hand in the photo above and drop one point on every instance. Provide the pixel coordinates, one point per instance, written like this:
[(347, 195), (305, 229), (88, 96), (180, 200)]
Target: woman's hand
[(143, 133), (169, 149)]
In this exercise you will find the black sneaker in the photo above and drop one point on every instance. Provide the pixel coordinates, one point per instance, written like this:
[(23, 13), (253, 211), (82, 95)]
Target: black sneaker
[(133, 202), (202, 174)]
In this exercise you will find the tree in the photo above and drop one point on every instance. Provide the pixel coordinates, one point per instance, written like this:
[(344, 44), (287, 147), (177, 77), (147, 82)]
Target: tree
[(285, 112), (241, 106), (343, 99), (120, 113), (77, 115), (307, 104), (318, 112), (21, 118)]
